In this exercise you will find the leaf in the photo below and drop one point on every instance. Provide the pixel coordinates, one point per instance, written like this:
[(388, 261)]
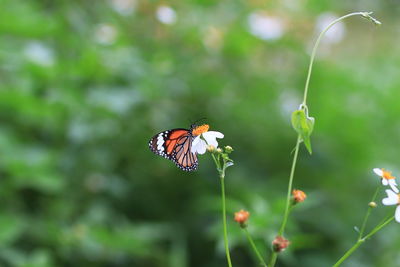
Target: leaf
[(304, 126)]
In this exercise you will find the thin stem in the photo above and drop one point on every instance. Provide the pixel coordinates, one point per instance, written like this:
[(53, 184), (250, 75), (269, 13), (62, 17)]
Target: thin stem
[(228, 257), (362, 240), (289, 192), (379, 227), (216, 163), (364, 14), (274, 254), (348, 253), (262, 262), (303, 105), (364, 224)]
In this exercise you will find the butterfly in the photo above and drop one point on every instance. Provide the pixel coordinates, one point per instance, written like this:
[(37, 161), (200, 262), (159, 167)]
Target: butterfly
[(176, 145)]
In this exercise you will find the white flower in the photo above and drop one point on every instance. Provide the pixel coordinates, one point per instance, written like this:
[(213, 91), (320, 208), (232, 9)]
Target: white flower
[(265, 27), (387, 178), (200, 146), (166, 15), (393, 199)]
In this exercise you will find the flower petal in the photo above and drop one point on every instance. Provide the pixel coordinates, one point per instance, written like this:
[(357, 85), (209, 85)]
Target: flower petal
[(392, 198), (211, 138), (397, 214), (393, 185), (196, 141), (200, 147), (378, 171), (212, 141), (385, 181), (216, 134)]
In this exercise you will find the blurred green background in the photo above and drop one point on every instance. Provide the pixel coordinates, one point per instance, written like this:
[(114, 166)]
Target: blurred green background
[(85, 84)]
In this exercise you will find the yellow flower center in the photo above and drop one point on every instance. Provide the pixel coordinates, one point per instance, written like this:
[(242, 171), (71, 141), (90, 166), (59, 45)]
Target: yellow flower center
[(387, 175), (200, 129)]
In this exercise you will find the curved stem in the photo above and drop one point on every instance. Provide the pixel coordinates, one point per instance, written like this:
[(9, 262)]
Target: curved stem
[(228, 257), (262, 262), (362, 240), (364, 224), (364, 14), (274, 254)]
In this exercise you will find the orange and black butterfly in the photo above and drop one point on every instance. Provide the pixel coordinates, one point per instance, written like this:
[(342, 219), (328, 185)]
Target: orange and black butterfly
[(176, 145)]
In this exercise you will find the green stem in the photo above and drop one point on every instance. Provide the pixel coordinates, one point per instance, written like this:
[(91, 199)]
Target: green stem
[(348, 253), (228, 257), (379, 227), (364, 14), (274, 254), (216, 163), (262, 262), (362, 240), (364, 224), (289, 192)]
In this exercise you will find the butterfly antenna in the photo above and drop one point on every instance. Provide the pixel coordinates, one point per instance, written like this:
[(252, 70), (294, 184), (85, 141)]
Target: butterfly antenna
[(195, 123)]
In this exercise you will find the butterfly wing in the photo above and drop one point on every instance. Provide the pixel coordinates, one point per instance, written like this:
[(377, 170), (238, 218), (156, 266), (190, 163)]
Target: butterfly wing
[(175, 145), (183, 156)]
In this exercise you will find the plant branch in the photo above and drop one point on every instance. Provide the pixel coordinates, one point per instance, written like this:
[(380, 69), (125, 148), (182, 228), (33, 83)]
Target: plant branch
[(362, 240), (262, 262), (363, 14)]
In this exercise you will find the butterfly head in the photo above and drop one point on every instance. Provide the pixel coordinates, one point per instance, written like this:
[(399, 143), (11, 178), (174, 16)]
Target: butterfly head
[(199, 129)]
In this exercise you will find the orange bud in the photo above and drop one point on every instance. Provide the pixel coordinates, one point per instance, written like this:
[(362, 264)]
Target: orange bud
[(280, 244), (298, 196), (241, 217)]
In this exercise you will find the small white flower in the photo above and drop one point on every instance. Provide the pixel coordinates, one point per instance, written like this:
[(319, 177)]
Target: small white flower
[(387, 178), (392, 199), (166, 15), (265, 27), (200, 146)]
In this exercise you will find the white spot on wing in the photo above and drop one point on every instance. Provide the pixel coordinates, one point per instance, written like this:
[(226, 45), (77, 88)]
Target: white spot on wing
[(160, 142)]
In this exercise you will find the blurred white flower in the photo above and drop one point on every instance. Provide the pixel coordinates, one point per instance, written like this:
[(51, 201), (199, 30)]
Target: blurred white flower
[(392, 199), (334, 34), (265, 27), (39, 53), (124, 7), (200, 146), (105, 34), (166, 15), (387, 178)]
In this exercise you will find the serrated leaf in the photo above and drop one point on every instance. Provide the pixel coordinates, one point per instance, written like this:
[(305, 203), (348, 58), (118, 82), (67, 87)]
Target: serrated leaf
[(304, 126)]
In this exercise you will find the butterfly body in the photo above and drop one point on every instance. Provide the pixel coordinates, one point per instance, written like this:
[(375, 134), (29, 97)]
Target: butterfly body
[(175, 145)]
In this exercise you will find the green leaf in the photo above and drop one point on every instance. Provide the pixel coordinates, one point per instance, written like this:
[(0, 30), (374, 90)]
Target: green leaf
[(304, 126)]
